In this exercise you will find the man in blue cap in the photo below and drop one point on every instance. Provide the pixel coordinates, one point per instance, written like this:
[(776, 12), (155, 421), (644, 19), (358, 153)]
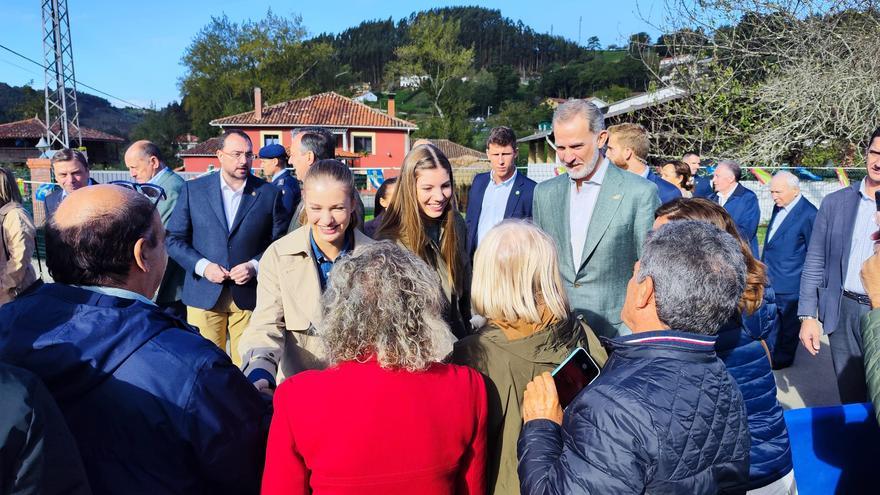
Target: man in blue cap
[(273, 160)]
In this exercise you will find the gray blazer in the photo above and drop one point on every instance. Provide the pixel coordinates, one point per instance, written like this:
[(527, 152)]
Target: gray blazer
[(828, 256), (171, 289), (623, 215)]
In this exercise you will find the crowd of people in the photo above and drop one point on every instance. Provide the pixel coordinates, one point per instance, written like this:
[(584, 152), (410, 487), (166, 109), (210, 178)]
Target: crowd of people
[(230, 334)]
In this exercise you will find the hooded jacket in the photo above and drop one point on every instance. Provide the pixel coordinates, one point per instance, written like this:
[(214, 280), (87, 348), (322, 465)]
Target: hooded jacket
[(508, 366), (153, 406), (663, 417)]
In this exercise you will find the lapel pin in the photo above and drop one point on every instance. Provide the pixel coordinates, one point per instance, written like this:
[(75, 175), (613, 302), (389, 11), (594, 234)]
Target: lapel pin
[(253, 193), (517, 193), (616, 196)]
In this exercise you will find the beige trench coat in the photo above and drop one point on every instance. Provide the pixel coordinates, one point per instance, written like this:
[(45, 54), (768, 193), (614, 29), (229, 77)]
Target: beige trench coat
[(16, 250), (280, 337)]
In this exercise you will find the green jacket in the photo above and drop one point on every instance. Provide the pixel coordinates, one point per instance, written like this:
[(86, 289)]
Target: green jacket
[(870, 327), (508, 367), (622, 217), (172, 283)]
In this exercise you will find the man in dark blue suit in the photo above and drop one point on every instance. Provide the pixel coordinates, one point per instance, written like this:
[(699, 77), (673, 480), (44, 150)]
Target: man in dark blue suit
[(741, 203), (831, 289), (273, 160), (499, 194), (702, 183), (785, 250), (220, 227), (71, 169), (627, 148)]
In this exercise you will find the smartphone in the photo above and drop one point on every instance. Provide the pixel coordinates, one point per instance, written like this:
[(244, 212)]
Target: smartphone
[(572, 375)]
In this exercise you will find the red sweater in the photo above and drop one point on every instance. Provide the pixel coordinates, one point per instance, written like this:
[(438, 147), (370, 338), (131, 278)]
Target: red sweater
[(360, 429)]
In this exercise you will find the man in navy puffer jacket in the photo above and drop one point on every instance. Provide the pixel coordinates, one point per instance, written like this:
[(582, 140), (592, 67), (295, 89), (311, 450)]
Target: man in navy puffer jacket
[(664, 416), (153, 406)]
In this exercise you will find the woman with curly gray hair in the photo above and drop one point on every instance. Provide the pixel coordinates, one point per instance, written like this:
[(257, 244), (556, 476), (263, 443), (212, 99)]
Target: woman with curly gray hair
[(387, 416)]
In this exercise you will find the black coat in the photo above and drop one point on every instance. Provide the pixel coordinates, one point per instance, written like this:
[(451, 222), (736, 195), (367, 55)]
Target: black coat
[(37, 452), (663, 417)]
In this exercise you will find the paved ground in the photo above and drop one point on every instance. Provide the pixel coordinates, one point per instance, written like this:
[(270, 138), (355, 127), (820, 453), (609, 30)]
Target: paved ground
[(809, 382)]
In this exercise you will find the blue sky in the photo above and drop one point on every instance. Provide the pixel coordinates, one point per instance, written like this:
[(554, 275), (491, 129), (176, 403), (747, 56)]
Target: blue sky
[(133, 49)]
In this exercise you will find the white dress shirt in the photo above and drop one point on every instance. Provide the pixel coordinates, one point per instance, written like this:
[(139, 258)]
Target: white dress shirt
[(155, 179), (781, 215), (494, 204), (231, 202), (722, 198), (862, 246), (581, 204)]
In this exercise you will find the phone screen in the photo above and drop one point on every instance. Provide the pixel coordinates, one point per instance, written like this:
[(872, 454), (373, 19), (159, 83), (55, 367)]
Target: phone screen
[(576, 372)]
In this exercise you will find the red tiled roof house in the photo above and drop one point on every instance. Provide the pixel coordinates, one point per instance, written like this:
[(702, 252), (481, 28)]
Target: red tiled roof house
[(367, 137), (18, 142)]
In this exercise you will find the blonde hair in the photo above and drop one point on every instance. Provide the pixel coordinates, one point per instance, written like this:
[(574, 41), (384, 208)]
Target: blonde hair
[(336, 171), (403, 219), (516, 270), (632, 136)]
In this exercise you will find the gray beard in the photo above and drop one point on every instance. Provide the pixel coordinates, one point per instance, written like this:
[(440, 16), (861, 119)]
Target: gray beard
[(587, 168)]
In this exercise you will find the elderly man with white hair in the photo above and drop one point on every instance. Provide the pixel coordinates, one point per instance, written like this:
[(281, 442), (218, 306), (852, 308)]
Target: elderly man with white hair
[(785, 249), (740, 202)]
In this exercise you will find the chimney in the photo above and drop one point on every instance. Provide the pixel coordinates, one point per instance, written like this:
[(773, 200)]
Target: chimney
[(258, 104), (391, 104)]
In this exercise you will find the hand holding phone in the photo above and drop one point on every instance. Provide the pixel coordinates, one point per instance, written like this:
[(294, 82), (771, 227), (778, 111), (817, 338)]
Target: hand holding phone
[(576, 372)]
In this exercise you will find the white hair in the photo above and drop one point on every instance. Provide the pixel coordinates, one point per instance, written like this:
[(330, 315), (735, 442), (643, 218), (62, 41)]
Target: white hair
[(790, 179), (567, 111)]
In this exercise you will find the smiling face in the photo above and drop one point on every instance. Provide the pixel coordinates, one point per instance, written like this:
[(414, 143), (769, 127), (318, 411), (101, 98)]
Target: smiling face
[(71, 175), (577, 148), (329, 208), (723, 180), (433, 191)]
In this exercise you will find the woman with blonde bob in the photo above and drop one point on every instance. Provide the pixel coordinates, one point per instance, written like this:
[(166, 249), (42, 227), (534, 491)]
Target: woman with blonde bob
[(387, 417), (17, 241), (280, 339), (423, 217), (529, 330)]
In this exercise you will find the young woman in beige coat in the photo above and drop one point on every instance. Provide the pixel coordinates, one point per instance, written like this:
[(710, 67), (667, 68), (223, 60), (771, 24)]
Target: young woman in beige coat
[(17, 241), (280, 339)]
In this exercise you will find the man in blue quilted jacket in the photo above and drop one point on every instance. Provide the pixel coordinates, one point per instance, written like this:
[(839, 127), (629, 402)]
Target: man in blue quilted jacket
[(153, 406), (664, 416)]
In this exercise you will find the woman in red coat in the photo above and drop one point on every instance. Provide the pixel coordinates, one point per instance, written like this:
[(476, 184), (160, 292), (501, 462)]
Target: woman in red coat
[(387, 416)]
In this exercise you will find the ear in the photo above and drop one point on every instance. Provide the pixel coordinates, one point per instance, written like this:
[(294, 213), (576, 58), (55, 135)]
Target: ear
[(141, 259), (603, 138), (645, 293), (311, 156), (154, 163)]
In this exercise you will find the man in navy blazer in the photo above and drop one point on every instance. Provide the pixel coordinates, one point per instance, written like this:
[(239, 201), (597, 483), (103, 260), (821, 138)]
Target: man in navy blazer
[(831, 289), (499, 194), (785, 250), (741, 203), (71, 169), (220, 227), (702, 183), (627, 148)]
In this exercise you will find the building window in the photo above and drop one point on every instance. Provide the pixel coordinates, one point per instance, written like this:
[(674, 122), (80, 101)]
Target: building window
[(270, 138), (363, 142)]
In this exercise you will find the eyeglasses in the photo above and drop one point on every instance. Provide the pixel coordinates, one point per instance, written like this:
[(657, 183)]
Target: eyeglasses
[(153, 192), (238, 154)]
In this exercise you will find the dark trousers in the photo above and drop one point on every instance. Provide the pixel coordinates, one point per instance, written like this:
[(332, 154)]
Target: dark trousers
[(785, 340), (846, 352)]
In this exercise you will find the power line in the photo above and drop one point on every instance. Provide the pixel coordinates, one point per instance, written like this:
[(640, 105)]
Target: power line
[(10, 50)]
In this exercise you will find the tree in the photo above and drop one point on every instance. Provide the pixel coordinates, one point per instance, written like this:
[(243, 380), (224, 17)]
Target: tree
[(434, 52), (593, 44), (162, 127)]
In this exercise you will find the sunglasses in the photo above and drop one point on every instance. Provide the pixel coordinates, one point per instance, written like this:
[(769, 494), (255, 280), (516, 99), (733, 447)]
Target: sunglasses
[(153, 192)]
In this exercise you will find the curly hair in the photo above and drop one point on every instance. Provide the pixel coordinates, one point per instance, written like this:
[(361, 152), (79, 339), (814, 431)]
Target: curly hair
[(706, 211), (383, 301)]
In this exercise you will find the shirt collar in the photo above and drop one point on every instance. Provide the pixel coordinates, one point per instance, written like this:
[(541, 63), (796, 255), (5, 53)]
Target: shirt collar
[(224, 186), (154, 179), (645, 172), (791, 205), (599, 176), (863, 191), (503, 183), (277, 175), (117, 292), (320, 256)]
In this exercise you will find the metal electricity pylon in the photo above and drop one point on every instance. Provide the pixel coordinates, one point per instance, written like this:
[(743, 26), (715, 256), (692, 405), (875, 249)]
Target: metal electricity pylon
[(62, 112)]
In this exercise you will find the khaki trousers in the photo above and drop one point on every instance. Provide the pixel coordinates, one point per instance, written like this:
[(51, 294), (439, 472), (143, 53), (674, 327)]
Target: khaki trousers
[(224, 318)]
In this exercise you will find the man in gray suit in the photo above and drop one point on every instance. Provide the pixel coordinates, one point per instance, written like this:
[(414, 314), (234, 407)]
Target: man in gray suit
[(831, 290), (145, 164), (598, 214)]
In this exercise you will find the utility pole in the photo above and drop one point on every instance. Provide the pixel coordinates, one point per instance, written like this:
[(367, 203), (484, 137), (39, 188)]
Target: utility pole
[(580, 19), (62, 111)]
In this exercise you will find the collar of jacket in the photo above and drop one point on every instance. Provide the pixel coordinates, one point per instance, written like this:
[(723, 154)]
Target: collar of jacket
[(663, 339), (298, 241)]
